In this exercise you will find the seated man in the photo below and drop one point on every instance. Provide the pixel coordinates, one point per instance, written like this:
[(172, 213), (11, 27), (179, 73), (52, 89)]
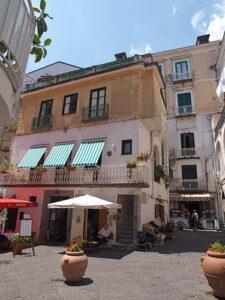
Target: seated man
[(104, 234)]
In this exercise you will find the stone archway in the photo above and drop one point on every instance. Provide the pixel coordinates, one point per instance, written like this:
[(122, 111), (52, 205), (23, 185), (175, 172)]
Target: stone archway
[(4, 113)]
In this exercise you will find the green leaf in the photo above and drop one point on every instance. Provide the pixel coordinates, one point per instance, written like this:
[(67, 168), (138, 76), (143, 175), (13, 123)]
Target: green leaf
[(44, 25), (44, 52), (36, 40), (39, 28), (33, 50), (35, 9), (38, 55), (47, 42), (3, 49), (42, 5)]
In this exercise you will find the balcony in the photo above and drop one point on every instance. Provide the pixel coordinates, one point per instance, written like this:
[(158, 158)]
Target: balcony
[(180, 77), (188, 152), (188, 185), (185, 110), (42, 122), (93, 113), (116, 175)]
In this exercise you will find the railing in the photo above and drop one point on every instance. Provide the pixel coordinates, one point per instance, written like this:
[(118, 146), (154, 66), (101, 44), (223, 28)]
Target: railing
[(94, 176), (185, 109), (182, 76), (95, 112), (42, 122), (188, 152), (16, 34), (188, 184)]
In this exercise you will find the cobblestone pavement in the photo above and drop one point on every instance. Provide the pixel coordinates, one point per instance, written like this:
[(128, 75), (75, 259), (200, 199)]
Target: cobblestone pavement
[(171, 271)]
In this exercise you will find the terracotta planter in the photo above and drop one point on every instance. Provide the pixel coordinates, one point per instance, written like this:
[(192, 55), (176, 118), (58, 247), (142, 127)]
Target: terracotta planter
[(17, 249), (140, 158), (214, 269), (74, 265)]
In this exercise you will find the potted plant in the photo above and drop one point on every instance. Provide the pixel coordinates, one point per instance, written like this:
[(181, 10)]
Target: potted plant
[(40, 168), (4, 167), (214, 268), (131, 164), (18, 242), (70, 167), (140, 156), (74, 263)]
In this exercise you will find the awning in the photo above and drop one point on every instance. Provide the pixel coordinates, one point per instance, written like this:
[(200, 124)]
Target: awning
[(86, 202), (32, 158), (58, 155), (191, 197), (16, 203), (88, 153)]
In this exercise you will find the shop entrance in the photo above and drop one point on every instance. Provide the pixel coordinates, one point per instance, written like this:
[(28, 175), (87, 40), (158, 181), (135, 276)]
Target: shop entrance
[(190, 206), (10, 225), (97, 218), (57, 229)]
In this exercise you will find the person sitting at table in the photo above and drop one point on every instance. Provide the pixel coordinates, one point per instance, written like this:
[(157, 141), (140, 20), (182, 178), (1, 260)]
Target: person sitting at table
[(104, 234)]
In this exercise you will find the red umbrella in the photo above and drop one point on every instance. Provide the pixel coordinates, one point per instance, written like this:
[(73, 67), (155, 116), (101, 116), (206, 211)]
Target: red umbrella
[(16, 203)]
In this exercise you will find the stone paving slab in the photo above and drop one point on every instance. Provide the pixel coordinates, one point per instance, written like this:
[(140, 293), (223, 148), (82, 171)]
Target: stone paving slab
[(171, 271)]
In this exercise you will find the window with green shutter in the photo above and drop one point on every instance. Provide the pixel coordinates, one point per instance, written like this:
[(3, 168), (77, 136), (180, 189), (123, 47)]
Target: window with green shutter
[(184, 102), (181, 70)]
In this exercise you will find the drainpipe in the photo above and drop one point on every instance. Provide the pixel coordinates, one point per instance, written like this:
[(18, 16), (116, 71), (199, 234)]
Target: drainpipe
[(216, 177)]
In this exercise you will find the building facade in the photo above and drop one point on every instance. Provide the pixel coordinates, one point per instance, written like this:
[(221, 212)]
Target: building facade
[(16, 34), (190, 77), (78, 133), (218, 124)]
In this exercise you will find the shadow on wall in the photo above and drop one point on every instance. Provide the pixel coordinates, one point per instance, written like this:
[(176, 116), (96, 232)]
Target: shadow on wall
[(190, 241)]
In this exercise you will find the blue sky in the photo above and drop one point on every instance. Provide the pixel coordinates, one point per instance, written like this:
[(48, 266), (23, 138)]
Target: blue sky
[(89, 32)]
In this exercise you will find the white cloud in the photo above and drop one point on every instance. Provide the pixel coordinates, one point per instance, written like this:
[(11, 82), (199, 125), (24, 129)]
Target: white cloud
[(145, 49), (174, 9), (213, 24), (198, 21)]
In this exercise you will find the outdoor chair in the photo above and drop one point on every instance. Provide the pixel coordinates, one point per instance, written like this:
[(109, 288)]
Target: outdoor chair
[(142, 243)]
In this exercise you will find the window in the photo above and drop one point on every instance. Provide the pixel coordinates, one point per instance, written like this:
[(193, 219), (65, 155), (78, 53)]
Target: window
[(181, 70), (97, 102), (218, 155), (189, 172), (184, 102), (126, 147), (46, 108), (70, 104), (187, 144)]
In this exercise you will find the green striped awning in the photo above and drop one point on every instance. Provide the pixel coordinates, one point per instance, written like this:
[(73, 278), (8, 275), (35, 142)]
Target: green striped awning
[(58, 155), (88, 153), (32, 158)]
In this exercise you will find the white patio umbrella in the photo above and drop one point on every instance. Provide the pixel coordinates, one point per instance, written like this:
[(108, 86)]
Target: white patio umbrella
[(86, 202)]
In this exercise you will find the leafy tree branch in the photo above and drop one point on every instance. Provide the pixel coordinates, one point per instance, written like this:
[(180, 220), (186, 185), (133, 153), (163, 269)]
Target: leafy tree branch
[(38, 46)]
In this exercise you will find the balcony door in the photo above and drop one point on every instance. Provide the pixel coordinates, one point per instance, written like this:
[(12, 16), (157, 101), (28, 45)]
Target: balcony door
[(187, 144), (44, 119), (46, 108), (181, 69), (189, 172), (189, 177), (184, 102), (97, 103)]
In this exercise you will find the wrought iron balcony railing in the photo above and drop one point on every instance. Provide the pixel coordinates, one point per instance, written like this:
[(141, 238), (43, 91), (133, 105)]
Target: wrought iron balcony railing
[(80, 176), (188, 184), (42, 122), (187, 152), (185, 109), (182, 76), (95, 112)]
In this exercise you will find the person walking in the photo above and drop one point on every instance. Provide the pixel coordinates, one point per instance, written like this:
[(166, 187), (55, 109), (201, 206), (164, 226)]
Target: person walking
[(194, 218)]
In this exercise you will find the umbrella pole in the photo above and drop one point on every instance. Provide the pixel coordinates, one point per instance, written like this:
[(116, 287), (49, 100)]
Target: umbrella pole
[(85, 225)]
